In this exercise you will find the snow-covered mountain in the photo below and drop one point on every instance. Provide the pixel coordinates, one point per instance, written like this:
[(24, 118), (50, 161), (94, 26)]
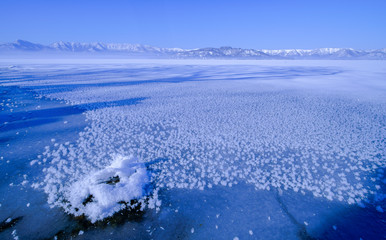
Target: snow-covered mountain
[(201, 53), (223, 52), (108, 47), (22, 45), (330, 53)]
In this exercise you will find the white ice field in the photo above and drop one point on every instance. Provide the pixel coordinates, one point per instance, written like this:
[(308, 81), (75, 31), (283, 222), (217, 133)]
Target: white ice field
[(207, 149)]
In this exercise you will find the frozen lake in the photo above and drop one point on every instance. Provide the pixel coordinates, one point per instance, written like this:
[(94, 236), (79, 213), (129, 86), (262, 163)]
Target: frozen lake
[(207, 149)]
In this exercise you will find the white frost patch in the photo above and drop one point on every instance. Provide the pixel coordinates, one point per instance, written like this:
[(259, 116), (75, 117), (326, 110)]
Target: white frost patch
[(104, 192), (14, 235)]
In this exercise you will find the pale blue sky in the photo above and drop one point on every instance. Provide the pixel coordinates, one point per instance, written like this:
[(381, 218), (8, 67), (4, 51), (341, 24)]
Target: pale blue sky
[(269, 24)]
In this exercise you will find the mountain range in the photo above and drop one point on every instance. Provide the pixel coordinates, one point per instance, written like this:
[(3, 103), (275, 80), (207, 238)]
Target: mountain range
[(135, 50)]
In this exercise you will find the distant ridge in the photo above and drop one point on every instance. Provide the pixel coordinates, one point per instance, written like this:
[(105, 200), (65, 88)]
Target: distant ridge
[(201, 53)]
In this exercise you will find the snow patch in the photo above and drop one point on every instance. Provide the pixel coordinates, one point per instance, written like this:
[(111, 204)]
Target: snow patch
[(104, 192)]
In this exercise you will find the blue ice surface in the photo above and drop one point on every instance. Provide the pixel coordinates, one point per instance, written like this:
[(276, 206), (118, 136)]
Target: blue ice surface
[(217, 212), (24, 132)]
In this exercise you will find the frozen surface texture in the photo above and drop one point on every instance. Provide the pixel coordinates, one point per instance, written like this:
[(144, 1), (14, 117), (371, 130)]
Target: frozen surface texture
[(315, 127), (99, 194)]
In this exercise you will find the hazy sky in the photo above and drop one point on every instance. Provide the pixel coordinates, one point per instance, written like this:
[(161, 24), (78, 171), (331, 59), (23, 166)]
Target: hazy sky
[(269, 24)]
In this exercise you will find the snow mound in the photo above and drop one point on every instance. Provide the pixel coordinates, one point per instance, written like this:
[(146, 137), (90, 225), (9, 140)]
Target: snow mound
[(104, 192)]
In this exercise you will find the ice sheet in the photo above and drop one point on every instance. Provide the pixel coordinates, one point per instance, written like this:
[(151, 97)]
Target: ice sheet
[(308, 127)]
